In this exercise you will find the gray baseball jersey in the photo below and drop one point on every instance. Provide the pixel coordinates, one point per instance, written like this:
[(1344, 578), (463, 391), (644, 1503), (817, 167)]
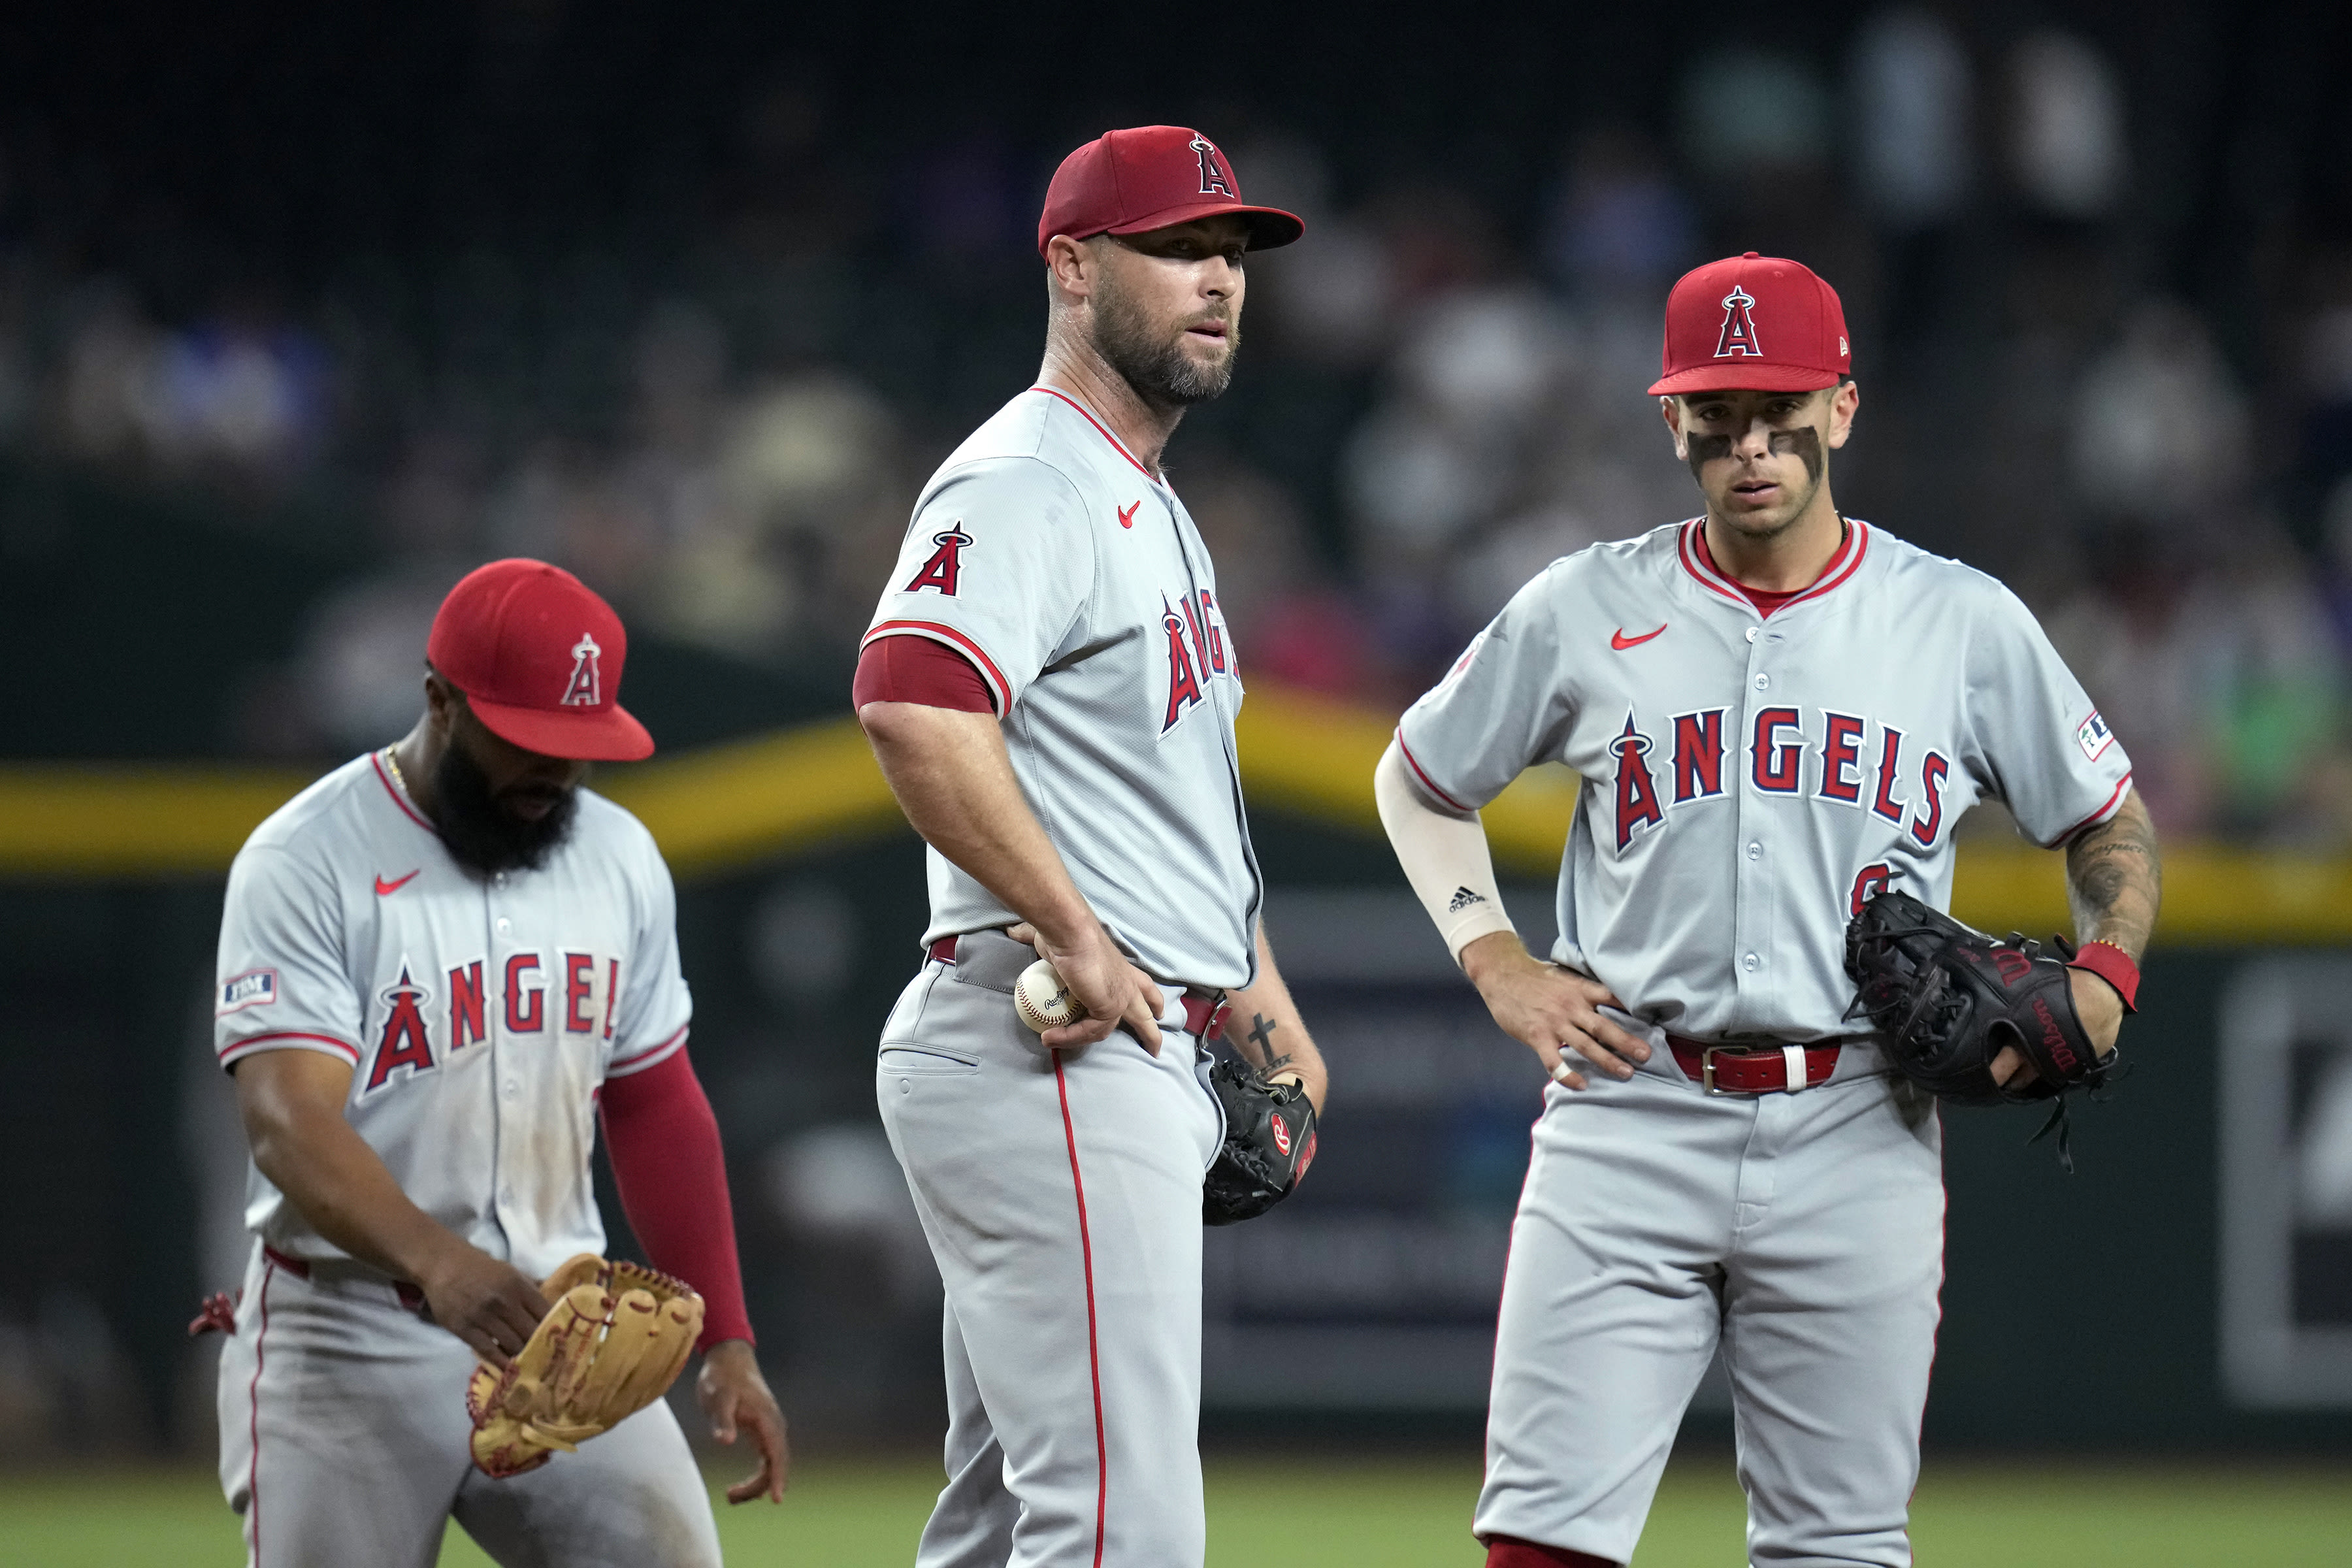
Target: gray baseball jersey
[(1750, 780), (1075, 582), (480, 1016)]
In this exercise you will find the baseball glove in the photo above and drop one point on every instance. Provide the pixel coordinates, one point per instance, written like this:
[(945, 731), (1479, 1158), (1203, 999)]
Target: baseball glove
[(1947, 999), (1269, 1143), (610, 1345)]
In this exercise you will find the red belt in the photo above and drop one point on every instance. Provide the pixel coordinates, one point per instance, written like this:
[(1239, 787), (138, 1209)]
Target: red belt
[(1204, 1011), (1751, 1069)]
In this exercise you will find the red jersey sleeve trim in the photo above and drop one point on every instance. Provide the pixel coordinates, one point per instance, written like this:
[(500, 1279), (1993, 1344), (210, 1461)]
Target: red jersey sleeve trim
[(652, 1056), (2115, 804), (1001, 688), (1418, 772), (1097, 424), (923, 670), (288, 1039)]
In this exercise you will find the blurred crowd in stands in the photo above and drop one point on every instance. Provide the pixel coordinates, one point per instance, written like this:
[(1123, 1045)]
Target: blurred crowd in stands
[(1438, 395)]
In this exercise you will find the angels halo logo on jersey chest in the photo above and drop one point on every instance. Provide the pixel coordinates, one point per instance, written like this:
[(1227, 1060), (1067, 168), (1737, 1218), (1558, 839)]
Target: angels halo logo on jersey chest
[(945, 567), (1737, 339), (586, 687), (405, 1042)]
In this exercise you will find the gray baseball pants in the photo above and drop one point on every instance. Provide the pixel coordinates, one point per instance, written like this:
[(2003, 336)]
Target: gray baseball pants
[(344, 1440), (1803, 1233), (1061, 1194)]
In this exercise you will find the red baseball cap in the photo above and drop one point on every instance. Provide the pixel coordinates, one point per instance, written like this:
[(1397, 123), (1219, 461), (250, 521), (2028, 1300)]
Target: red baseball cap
[(1148, 177), (538, 657), (1753, 322)]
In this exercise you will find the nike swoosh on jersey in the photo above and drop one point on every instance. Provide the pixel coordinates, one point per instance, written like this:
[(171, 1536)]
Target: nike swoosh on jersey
[(1620, 642), (1127, 513), (382, 886)]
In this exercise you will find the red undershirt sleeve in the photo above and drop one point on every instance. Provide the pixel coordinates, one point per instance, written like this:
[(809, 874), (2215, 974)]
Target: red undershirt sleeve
[(919, 669), (663, 1141)]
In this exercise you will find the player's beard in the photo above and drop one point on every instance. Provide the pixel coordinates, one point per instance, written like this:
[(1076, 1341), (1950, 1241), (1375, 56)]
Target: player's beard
[(483, 834), (1151, 360)]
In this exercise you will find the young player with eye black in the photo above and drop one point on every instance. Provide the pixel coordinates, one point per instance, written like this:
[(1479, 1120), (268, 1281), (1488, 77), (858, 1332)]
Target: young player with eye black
[(1778, 712)]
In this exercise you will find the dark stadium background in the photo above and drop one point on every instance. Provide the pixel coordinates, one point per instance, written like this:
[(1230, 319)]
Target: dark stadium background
[(304, 309)]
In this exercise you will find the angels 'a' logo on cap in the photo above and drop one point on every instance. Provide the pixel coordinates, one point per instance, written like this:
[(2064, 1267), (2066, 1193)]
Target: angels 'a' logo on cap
[(586, 687), (1738, 338), (1215, 181)]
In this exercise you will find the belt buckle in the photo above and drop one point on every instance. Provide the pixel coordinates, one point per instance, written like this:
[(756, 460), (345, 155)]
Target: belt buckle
[(1707, 1072)]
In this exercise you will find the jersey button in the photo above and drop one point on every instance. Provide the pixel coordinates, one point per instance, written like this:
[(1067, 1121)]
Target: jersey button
[(506, 926), (513, 1088), (1763, 681), (1751, 963), (1751, 634), (1756, 851)]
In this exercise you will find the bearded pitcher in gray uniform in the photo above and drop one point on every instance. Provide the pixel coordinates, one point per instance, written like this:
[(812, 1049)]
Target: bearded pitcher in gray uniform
[(1050, 690), (1777, 711)]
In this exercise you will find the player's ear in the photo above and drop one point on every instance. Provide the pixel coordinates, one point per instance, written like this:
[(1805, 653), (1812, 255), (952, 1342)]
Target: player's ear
[(1843, 401), (442, 702), (1070, 268), (1670, 409)]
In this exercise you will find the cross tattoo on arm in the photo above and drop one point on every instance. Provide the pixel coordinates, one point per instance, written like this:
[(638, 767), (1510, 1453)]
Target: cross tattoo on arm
[(1260, 1033)]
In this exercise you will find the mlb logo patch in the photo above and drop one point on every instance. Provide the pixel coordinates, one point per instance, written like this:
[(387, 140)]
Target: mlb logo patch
[(254, 988), (2093, 736)]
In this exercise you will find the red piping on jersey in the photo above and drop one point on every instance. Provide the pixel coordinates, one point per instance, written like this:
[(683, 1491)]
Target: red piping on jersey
[(376, 761), (1691, 547), (1097, 424), (950, 634), (344, 1046), (652, 1056), (1935, 1335), (253, 1397), (1427, 782), (2099, 815), (1094, 1352)]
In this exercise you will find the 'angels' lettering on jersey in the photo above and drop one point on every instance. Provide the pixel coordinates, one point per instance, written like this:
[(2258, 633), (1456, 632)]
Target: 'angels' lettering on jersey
[(1822, 755), (1748, 779), (480, 1014)]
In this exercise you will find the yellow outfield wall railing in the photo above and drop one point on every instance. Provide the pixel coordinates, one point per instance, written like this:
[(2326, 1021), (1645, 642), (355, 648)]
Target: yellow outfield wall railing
[(815, 785)]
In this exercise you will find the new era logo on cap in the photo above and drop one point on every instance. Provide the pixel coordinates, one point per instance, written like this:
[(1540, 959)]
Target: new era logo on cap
[(1754, 322)]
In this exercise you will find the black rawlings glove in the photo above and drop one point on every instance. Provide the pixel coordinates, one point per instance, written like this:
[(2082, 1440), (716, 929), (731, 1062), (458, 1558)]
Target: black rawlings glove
[(1269, 1143), (1947, 998)]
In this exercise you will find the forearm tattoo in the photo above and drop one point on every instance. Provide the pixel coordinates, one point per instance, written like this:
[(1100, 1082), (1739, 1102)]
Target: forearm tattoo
[(2114, 879), (1260, 1034)]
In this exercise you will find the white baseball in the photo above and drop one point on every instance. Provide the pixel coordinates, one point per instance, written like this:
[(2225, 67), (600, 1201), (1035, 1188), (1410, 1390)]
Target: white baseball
[(1041, 998)]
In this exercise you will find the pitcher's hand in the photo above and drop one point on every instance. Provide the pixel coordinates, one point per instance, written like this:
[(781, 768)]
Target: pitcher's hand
[(1109, 991)]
